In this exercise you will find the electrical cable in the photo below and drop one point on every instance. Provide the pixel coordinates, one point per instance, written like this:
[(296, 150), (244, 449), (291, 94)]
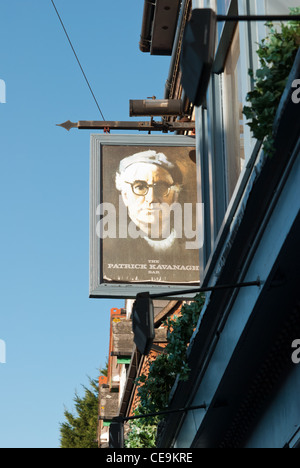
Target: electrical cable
[(87, 81)]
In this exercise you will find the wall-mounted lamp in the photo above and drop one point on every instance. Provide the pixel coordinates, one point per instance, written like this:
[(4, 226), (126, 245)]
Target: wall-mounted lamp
[(143, 323), (156, 107)]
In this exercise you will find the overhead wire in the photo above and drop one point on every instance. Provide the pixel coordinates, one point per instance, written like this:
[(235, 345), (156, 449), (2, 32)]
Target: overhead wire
[(76, 56)]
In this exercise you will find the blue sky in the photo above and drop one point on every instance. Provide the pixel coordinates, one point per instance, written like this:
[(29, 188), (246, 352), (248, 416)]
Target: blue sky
[(55, 335)]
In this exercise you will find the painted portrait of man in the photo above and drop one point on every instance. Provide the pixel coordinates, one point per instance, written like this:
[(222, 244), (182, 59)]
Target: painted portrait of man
[(148, 218), (150, 184)]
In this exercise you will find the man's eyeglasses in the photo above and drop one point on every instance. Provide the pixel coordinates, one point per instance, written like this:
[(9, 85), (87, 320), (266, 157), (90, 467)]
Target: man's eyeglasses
[(141, 188)]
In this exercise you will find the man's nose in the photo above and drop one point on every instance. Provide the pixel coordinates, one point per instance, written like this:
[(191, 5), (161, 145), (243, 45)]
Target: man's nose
[(151, 196)]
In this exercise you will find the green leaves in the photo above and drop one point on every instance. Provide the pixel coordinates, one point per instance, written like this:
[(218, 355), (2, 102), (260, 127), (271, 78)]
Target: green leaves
[(154, 389), (277, 54), (142, 435)]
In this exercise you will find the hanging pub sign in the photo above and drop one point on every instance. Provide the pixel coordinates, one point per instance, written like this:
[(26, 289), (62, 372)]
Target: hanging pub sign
[(145, 223)]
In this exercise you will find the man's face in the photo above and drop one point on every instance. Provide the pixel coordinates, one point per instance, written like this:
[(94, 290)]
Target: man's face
[(147, 187)]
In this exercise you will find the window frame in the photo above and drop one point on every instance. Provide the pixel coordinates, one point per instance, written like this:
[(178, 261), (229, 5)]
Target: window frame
[(210, 135)]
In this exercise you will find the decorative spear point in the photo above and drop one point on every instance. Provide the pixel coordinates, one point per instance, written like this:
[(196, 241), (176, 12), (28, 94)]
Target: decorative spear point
[(67, 125)]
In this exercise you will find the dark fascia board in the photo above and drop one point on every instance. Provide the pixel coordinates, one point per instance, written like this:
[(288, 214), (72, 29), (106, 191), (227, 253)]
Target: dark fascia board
[(136, 360), (205, 340), (258, 204), (164, 26), (159, 26), (262, 358), (121, 354)]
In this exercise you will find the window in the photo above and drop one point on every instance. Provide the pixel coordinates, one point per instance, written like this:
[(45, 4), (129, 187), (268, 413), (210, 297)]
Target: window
[(223, 7), (233, 115)]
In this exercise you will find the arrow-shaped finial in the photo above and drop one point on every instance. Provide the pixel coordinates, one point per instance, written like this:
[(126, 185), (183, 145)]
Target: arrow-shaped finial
[(68, 125)]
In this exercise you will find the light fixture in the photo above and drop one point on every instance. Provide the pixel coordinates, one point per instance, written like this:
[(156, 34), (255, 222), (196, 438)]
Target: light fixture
[(198, 52), (198, 48), (143, 323), (156, 107)]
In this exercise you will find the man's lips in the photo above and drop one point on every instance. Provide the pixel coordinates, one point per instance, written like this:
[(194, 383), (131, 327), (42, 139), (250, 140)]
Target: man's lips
[(152, 211)]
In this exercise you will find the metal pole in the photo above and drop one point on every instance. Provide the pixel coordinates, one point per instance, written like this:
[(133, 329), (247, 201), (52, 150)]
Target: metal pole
[(208, 289), (143, 126), (249, 18), (116, 432), (160, 413)]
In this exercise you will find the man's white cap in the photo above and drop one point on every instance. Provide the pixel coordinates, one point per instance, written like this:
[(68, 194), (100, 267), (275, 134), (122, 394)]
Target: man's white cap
[(152, 157)]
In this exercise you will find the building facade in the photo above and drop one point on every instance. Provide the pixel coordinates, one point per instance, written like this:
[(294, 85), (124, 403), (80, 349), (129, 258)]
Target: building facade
[(241, 352), (118, 390)]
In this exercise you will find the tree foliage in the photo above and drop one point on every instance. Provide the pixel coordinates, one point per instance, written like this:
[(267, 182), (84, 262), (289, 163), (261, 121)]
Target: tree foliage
[(277, 55), (80, 430)]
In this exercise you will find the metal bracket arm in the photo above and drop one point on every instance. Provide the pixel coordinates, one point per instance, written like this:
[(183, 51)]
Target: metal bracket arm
[(150, 126)]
